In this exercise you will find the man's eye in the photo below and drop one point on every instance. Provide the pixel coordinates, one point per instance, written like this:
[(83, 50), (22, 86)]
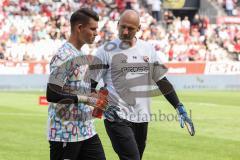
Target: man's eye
[(130, 29)]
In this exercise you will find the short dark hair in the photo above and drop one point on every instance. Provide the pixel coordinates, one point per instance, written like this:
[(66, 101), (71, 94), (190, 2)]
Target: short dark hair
[(82, 16)]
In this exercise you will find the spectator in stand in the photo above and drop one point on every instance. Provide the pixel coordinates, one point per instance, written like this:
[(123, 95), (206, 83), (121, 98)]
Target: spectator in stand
[(168, 18), (229, 4), (185, 25), (170, 52), (114, 15), (120, 5), (2, 52), (156, 8), (128, 4), (196, 21), (232, 7), (237, 48), (131, 4)]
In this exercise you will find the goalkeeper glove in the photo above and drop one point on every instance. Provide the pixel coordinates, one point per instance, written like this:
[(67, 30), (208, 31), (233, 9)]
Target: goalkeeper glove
[(184, 119), (102, 94), (94, 100), (111, 114)]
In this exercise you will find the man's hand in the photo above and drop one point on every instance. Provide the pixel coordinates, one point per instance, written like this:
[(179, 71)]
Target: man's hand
[(99, 102), (111, 113), (184, 119), (95, 100)]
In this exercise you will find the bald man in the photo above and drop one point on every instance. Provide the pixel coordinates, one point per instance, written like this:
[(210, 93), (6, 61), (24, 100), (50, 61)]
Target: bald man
[(131, 69)]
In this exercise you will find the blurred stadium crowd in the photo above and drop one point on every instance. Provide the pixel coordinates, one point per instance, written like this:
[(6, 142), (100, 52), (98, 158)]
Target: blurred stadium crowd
[(230, 6), (32, 30)]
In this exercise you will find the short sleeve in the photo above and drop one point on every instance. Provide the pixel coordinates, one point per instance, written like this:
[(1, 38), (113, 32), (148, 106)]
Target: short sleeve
[(159, 69), (60, 68), (99, 65)]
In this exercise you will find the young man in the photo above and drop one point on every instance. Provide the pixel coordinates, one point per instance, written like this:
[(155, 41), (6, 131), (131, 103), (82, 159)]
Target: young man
[(130, 67), (71, 132)]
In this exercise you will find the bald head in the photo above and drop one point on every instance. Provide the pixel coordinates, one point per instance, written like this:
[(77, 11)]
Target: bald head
[(131, 16), (128, 25)]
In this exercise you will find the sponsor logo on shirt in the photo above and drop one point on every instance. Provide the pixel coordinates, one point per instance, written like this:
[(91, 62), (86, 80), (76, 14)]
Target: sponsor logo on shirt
[(146, 59)]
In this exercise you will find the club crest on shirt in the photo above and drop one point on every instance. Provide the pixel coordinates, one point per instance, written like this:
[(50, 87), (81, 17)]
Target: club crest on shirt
[(146, 59)]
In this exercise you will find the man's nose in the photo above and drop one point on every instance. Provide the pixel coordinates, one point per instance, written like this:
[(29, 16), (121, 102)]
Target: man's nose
[(125, 31), (95, 33)]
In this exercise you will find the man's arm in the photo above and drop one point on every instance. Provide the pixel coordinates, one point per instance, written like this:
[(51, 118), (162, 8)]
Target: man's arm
[(55, 94), (168, 91), (170, 94)]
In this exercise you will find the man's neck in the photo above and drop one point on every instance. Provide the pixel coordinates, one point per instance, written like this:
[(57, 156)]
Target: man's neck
[(130, 43), (75, 43)]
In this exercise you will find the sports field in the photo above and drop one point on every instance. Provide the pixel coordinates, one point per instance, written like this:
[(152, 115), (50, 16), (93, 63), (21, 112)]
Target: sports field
[(216, 116)]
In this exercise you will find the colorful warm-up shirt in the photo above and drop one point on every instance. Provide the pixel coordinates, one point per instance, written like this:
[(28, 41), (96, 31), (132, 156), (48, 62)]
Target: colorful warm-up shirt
[(69, 122)]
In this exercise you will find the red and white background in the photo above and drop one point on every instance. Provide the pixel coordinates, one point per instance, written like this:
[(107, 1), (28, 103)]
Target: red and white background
[(188, 68), (184, 76), (23, 68)]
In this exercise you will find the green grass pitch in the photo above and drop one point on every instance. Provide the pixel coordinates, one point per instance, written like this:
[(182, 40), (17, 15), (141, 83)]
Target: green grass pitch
[(216, 115)]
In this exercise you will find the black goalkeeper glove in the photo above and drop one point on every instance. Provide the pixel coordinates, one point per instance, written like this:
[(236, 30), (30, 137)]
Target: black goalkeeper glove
[(111, 113)]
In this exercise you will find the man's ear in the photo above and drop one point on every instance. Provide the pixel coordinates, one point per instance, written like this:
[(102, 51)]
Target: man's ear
[(139, 27), (79, 27), (118, 25)]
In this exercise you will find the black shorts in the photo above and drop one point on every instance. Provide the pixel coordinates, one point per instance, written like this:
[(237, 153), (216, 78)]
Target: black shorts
[(128, 138), (90, 149)]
